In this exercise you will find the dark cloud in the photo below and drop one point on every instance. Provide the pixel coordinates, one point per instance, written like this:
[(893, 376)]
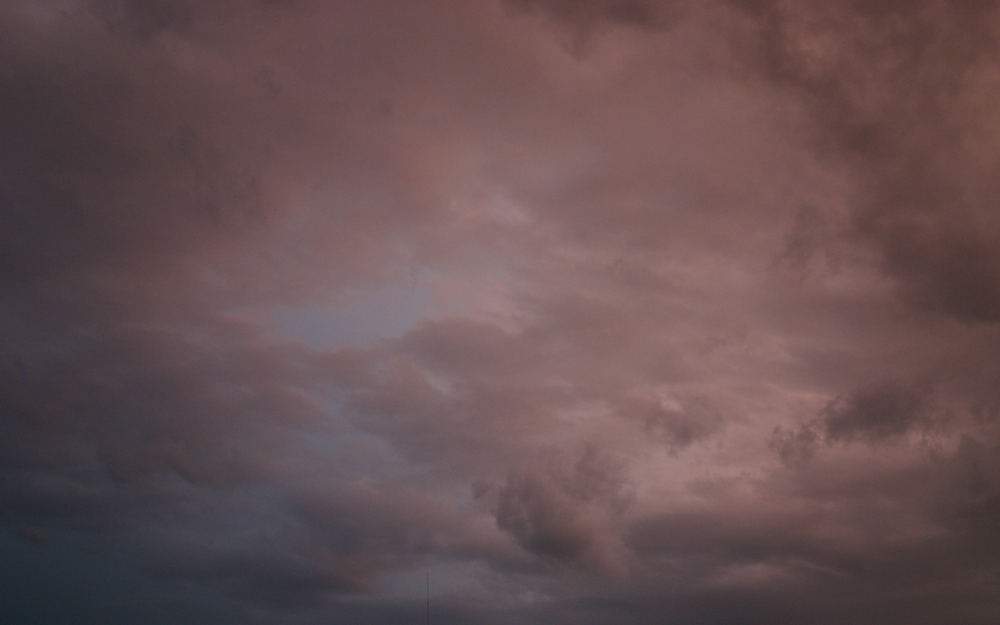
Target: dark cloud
[(567, 517), (875, 413), (578, 26), (542, 520), (625, 12), (952, 272), (677, 425), (599, 311), (893, 98), (143, 19), (878, 538), (794, 446)]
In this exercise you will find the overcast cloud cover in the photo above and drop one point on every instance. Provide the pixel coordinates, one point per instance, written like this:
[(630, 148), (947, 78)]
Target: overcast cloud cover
[(600, 311)]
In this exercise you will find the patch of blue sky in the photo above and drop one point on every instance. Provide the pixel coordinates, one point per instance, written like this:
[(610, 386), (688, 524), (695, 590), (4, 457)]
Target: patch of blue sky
[(357, 319)]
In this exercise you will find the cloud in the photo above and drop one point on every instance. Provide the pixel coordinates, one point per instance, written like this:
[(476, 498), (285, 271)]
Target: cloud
[(628, 13), (567, 518), (894, 99), (659, 311), (875, 413), (143, 20)]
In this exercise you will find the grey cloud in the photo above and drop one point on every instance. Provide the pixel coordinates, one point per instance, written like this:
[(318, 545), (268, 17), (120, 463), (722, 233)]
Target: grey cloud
[(892, 539), (633, 258), (579, 26), (143, 400), (542, 519), (952, 272), (399, 525), (478, 390), (143, 19), (889, 97), (794, 446), (567, 517), (276, 579), (877, 412), (680, 425), (626, 12), (130, 162)]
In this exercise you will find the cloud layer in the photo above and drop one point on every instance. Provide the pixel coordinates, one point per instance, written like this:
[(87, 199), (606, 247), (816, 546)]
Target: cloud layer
[(600, 312)]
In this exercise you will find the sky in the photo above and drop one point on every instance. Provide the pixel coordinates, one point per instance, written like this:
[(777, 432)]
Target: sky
[(596, 311)]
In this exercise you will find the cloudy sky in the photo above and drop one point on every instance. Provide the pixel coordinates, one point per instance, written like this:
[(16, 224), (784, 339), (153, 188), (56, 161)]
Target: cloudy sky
[(599, 311)]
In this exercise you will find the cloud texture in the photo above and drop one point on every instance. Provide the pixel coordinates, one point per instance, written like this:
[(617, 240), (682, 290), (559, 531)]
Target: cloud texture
[(599, 311)]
